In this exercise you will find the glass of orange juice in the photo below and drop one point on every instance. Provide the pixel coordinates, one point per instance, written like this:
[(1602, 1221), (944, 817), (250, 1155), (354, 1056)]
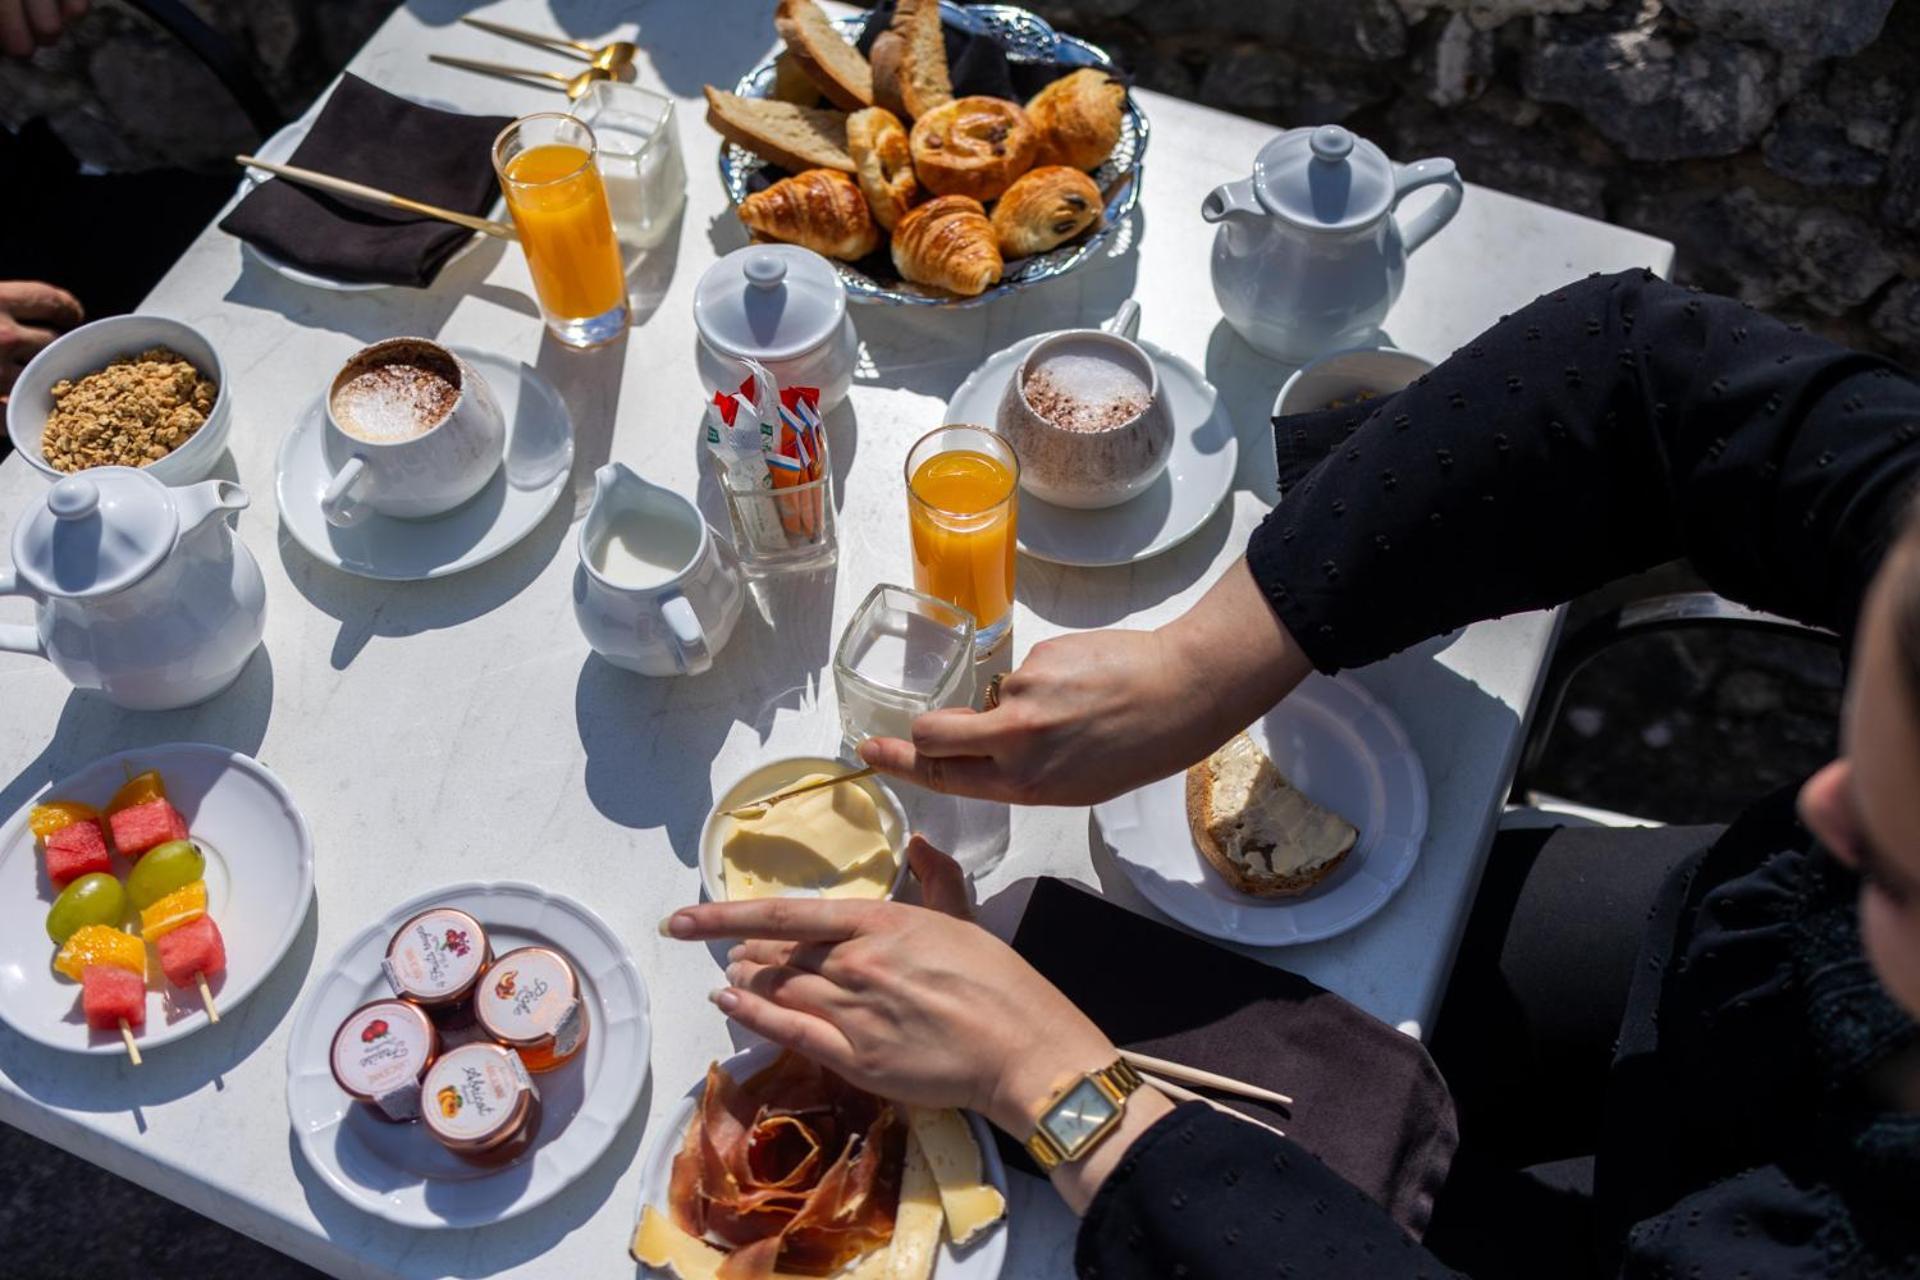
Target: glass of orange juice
[(547, 169), (962, 501)]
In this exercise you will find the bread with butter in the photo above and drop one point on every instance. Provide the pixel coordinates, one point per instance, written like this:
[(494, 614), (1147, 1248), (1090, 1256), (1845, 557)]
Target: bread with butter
[(1256, 829)]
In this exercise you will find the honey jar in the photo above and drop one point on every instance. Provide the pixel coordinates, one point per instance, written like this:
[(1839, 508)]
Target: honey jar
[(479, 1102), (381, 1053), (529, 1000)]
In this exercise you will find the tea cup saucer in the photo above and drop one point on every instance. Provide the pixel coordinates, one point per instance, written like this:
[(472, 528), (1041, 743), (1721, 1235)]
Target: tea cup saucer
[(538, 461), (1198, 478)]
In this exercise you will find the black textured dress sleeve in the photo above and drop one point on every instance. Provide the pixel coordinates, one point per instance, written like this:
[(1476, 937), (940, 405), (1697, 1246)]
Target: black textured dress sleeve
[(1202, 1196), (1611, 425)]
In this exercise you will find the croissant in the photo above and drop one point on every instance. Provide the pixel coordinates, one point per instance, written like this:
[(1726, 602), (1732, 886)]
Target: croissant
[(820, 209), (972, 147), (883, 163), (1078, 117), (1045, 207), (947, 243)]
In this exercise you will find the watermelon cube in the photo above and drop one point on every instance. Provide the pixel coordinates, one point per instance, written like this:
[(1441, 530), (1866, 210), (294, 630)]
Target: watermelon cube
[(142, 826), (193, 948), (108, 994), (76, 850)]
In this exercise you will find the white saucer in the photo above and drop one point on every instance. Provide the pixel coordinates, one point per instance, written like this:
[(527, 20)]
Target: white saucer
[(1344, 751), (259, 880), (981, 1259), (398, 1172), (1172, 509), (279, 149), (539, 459)]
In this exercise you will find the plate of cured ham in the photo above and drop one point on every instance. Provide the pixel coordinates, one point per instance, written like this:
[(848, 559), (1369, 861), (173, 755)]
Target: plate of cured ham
[(773, 1168)]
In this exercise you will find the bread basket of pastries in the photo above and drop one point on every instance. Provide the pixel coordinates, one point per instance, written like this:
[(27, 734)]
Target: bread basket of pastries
[(940, 155)]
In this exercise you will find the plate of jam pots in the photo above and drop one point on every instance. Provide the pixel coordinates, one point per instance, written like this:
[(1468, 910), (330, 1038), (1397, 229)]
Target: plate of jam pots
[(468, 1055), (254, 860)]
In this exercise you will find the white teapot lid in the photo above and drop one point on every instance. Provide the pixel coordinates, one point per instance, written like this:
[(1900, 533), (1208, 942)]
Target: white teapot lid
[(98, 531), (1328, 178), (769, 302)]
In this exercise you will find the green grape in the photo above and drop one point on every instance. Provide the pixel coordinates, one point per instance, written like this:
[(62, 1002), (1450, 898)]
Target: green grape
[(92, 899), (164, 868)]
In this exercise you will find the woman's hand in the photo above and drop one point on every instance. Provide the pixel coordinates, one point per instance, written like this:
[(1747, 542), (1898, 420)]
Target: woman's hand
[(1091, 716), (31, 316), (27, 23), (912, 1003)]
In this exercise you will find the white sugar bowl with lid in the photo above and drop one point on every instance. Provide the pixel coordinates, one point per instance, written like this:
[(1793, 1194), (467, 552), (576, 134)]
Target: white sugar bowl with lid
[(143, 591), (1310, 254), (783, 306)]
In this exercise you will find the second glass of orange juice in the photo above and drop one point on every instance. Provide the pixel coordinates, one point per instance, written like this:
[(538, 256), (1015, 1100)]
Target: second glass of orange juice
[(559, 206), (962, 501)]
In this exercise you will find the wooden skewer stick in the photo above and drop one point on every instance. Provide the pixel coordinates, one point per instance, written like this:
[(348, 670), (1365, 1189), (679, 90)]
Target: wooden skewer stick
[(206, 997), (754, 808), (1173, 1090), (126, 1034), (1205, 1079), (360, 191)]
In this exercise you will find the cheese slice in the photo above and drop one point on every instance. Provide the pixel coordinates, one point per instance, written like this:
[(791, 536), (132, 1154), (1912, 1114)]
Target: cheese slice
[(659, 1243), (829, 841), (968, 1201), (916, 1228)]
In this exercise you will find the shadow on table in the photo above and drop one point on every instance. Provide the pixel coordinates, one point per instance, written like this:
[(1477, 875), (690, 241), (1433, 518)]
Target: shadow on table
[(108, 1082), (1085, 599), (366, 315), (477, 1251), (589, 381)]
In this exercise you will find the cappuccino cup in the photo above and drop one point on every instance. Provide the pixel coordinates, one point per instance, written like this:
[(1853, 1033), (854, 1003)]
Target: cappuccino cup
[(1087, 419), (412, 432)]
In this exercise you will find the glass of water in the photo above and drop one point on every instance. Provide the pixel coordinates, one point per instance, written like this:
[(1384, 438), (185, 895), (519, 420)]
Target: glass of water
[(639, 158), (903, 654)]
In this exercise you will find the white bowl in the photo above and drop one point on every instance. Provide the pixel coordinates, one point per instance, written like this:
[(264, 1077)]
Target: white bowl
[(1341, 375), (764, 780), (90, 348)]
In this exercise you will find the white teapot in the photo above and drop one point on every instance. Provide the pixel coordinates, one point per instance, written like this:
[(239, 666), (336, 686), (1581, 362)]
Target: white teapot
[(144, 592), (1309, 256)]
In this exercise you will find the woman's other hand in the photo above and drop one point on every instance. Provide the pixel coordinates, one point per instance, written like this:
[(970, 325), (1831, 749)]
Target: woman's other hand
[(32, 315), (26, 24)]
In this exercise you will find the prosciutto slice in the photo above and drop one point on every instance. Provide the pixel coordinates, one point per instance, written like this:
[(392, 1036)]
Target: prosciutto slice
[(793, 1170)]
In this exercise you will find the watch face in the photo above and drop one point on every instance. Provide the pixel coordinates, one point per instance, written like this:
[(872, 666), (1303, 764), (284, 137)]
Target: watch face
[(1077, 1117)]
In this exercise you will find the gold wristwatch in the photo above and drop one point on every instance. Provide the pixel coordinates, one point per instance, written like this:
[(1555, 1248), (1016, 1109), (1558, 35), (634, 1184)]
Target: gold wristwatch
[(1080, 1116)]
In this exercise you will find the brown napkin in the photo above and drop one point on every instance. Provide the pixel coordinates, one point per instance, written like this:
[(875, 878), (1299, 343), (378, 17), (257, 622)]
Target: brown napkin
[(1367, 1099), (368, 135)]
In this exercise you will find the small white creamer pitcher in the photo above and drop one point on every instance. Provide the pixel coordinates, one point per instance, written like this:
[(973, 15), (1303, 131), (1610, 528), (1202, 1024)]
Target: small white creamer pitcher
[(656, 591)]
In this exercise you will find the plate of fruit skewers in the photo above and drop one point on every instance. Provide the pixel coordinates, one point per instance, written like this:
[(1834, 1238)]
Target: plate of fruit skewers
[(180, 872)]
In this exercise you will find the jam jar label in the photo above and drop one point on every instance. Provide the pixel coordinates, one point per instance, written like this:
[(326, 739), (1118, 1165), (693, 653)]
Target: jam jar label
[(530, 994), (471, 1091), (379, 1053), (434, 955)]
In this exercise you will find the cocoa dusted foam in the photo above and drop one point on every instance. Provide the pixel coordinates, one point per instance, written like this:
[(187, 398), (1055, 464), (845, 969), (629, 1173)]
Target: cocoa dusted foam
[(396, 391), (1085, 391)]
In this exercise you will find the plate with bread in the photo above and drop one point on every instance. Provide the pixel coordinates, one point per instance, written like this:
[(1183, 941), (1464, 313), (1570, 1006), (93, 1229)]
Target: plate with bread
[(1295, 830), (939, 154)]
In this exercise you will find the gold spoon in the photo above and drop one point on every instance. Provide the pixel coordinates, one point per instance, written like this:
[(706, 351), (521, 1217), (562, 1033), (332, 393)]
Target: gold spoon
[(613, 57), (758, 808), (574, 86)]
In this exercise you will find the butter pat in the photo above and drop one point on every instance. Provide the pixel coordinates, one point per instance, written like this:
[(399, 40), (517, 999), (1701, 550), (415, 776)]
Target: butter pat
[(967, 1200), (829, 842)]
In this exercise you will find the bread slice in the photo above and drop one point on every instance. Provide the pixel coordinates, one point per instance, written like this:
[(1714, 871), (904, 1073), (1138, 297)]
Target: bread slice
[(1262, 835), (829, 61), (910, 75), (795, 138)]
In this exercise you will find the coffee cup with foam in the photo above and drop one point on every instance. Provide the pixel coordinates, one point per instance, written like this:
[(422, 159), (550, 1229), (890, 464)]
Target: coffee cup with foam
[(1086, 417), (412, 431)]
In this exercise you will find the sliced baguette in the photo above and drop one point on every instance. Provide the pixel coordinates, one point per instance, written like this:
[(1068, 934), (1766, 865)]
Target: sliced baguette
[(910, 75), (795, 138), (1250, 824), (820, 51)]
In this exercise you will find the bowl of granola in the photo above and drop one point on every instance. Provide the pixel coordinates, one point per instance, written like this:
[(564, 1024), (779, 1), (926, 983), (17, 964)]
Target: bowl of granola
[(129, 391)]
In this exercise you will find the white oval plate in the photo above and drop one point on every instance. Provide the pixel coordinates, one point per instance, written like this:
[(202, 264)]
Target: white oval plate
[(259, 882), (396, 1171), (1198, 478), (980, 1260), (1343, 750), (279, 149), (539, 459)]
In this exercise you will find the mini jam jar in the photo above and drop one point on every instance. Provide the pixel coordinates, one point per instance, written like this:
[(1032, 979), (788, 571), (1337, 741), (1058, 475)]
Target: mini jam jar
[(380, 1054), (479, 1102), (530, 1001), (435, 960)]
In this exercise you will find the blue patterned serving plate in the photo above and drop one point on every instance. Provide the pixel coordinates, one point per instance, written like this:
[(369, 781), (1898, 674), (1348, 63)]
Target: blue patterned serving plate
[(1026, 38)]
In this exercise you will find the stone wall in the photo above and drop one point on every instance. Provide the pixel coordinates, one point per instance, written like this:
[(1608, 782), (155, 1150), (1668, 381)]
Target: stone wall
[(1776, 142)]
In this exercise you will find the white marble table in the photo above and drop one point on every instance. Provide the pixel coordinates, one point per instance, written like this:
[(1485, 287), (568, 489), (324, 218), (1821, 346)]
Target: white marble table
[(460, 729)]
